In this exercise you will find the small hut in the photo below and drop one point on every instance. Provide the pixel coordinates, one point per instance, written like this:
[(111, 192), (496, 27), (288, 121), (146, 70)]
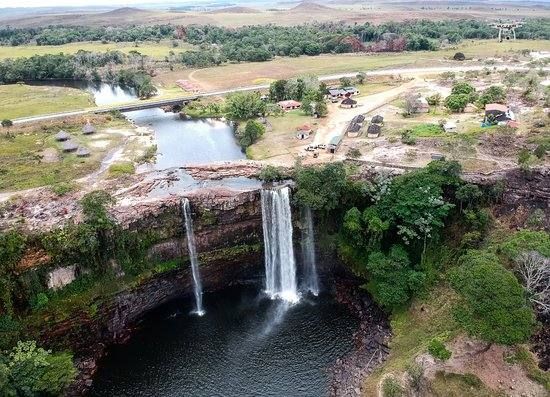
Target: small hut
[(334, 144), (289, 105), (62, 136), (377, 120), (303, 132), (88, 129), (82, 152), (354, 130), (348, 103), (359, 119), (69, 146), (374, 131), (422, 105)]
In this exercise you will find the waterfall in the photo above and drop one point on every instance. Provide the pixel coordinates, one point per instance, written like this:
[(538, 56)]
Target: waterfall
[(280, 265), (311, 280), (186, 208)]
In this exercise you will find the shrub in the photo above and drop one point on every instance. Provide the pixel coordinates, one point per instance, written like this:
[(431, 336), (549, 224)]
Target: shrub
[(270, 173), (434, 100), (391, 388), (438, 350), (120, 169), (62, 188), (354, 153), (40, 301), (408, 138), (253, 130)]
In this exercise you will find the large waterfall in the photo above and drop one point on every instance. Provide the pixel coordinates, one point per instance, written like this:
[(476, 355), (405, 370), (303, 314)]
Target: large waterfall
[(193, 256), (280, 265), (311, 280)]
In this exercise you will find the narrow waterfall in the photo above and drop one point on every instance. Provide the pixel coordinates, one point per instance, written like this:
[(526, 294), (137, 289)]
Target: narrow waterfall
[(280, 265), (311, 280), (186, 208)]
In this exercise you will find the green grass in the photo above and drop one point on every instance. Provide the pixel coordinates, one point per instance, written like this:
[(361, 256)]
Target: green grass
[(526, 359), (155, 50), (20, 100), (120, 169), (426, 130), (413, 329), (282, 137), (232, 75), (459, 385), (21, 165)]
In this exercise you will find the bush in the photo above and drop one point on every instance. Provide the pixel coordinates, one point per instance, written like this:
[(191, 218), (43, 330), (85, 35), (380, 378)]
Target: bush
[(438, 350), (391, 388), (354, 153), (120, 169), (270, 173), (62, 188), (40, 301), (253, 130), (408, 138)]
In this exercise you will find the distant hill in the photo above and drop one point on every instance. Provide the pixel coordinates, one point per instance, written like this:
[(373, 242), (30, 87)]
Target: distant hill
[(308, 6), (124, 11), (235, 10)]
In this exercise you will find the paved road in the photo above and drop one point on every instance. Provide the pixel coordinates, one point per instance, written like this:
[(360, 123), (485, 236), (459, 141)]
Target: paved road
[(382, 72)]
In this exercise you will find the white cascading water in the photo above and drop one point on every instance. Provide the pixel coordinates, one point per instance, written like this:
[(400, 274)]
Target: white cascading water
[(280, 265), (186, 208), (311, 280)]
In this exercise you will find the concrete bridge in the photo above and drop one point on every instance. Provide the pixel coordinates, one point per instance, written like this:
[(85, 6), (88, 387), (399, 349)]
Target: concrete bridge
[(148, 104)]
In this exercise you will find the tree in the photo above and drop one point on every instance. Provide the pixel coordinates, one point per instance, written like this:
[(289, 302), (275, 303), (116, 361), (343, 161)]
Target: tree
[(277, 91), (345, 82), (534, 271), (252, 132), (270, 173), (492, 303), (469, 194), (323, 188), (411, 104), (493, 94), (32, 371), (434, 100), (244, 106), (457, 102), (361, 76), (392, 279)]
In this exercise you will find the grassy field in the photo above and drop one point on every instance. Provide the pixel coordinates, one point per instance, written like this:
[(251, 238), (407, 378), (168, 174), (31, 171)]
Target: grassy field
[(19, 100), (23, 163), (155, 50), (242, 74), (282, 137)]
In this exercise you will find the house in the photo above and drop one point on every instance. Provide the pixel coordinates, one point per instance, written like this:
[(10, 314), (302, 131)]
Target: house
[(348, 103), (334, 144), (62, 136), (354, 130), (349, 91), (88, 129), (374, 131), (450, 126), (303, 132), (422, 105), (359, 119), (69, 146), (377, 120), (336, 93), (289, 105), (496, 113)]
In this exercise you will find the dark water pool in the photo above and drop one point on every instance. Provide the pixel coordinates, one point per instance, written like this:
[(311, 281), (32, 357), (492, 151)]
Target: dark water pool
[(245, 345)]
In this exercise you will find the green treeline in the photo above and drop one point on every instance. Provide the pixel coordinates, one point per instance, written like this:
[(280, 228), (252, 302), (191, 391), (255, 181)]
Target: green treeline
[(58, 35), (84, 65)]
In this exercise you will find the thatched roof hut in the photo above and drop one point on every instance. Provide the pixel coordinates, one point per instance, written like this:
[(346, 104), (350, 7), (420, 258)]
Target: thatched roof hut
[(348, 103), (62, 136), (69, 146), (88, 129), (82, 152), (377, 119)]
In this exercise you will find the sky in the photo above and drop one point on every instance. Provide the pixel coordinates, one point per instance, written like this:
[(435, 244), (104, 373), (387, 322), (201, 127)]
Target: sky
[(63, 3)]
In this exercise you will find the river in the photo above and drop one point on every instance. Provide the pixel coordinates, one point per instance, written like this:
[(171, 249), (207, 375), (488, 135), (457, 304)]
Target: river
[(179, 142)]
